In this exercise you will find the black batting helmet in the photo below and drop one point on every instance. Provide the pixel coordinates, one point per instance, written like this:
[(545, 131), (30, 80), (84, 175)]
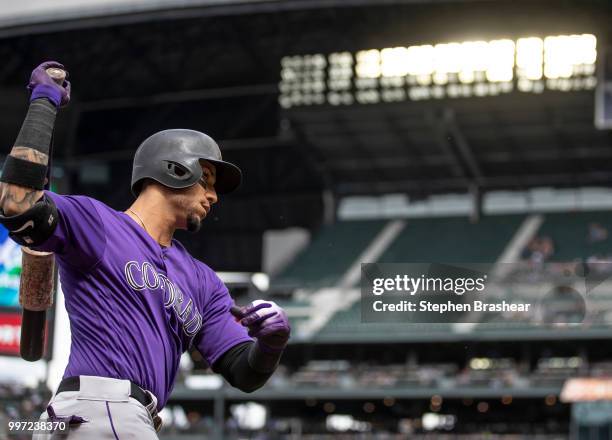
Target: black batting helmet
[(172, 158)]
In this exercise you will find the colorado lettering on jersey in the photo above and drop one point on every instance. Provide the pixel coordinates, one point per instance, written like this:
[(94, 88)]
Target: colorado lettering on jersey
[(142, 276)]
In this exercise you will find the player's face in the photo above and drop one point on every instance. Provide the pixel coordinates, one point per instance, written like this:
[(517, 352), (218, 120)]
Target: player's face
[(198, 199)]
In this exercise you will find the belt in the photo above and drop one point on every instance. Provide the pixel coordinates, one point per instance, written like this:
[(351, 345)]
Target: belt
[(74, 384)]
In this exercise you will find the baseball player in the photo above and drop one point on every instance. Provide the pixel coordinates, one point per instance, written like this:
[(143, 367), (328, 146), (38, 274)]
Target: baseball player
[(135, 297)]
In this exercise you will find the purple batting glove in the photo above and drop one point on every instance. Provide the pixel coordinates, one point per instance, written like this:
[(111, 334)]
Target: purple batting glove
[(267, 322), (43, 86)]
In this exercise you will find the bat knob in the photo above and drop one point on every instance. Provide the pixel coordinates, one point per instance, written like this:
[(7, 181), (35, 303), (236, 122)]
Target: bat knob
[(58, 75)]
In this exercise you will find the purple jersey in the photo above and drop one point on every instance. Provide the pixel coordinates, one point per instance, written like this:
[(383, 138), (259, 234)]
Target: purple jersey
[(134, 305)]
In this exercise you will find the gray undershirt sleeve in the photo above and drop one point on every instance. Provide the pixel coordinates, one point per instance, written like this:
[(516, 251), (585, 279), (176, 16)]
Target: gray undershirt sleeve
[(37, 128)]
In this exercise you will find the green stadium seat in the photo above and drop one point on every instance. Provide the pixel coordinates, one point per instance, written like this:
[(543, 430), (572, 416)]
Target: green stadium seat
[(452, 240), (329, 255)]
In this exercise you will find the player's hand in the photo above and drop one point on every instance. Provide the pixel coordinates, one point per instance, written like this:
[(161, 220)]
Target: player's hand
[(43, 86), (267, 322)]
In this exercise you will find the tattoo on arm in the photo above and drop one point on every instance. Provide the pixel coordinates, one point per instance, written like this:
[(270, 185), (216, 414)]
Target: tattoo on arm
[(15, 199), (30, 154)]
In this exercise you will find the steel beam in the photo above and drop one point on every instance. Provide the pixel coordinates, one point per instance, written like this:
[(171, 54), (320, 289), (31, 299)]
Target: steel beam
[(181, 96)]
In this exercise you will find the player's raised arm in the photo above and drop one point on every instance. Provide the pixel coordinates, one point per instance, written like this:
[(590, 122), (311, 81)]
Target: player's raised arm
[(29, 219), (25, 213)]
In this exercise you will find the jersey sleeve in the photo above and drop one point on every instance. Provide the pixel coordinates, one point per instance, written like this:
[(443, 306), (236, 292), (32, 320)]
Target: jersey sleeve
[(80, 237), (219, 331)]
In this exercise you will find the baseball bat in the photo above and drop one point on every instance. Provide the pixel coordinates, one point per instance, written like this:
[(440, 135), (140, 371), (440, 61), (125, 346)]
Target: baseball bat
[(36, 296), (36, 284), (58, 75)]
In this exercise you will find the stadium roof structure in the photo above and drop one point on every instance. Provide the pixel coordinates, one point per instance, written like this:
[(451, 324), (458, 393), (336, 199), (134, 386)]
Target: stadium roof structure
[(215, 66), (48, 15), (510, 142)]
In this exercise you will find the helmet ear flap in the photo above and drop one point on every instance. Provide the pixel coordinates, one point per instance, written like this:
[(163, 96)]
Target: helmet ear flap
[(177, 170)]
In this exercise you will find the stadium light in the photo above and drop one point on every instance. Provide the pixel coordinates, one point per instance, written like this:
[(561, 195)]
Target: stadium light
[(368, 64), (447, 57), (557, 63), (345, 422), (480, 363), (567, 55), (432, 421), (316, 61), (530, 57), (394, 62), (501, 61), (339, 422), (249, 415), (474, 55), (447, 70), (340, 75), (588, 49), (393, 95), (420, 61), (440, 78), (341, 58)]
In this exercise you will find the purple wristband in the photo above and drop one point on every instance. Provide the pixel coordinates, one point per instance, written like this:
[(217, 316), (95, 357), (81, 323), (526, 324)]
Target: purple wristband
[(53, 94)]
